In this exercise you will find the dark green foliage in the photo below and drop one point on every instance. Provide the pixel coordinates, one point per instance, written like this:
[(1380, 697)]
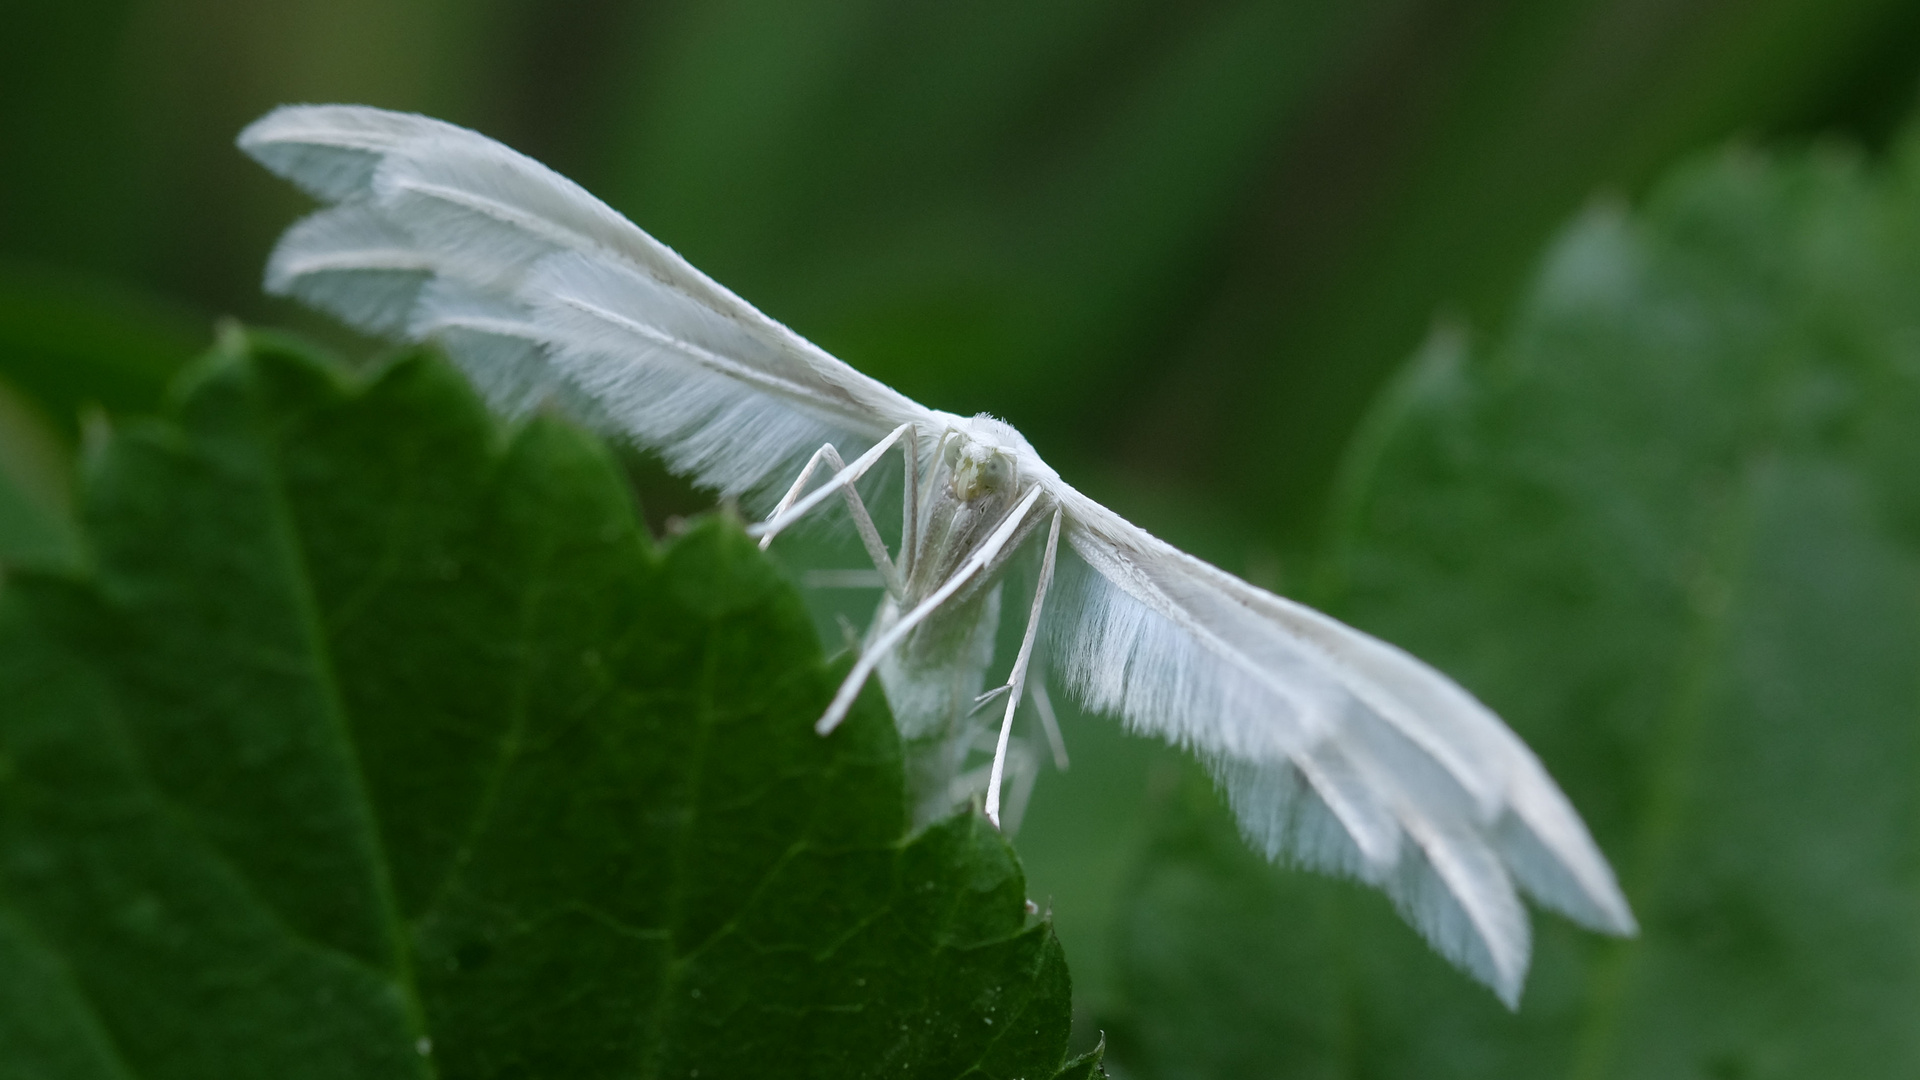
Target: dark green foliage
[(69, 343), (1669, 526), (377, 741)]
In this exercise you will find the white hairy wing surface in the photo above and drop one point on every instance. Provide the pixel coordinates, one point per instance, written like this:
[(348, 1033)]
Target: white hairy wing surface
[(1337, 750), (541, 292)]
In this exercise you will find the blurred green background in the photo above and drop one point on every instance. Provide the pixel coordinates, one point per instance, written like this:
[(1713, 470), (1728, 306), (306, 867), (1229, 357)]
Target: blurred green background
[(1182, 247)]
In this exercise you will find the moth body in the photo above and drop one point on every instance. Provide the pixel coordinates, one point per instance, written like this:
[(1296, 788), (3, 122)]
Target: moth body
[(975, 474)]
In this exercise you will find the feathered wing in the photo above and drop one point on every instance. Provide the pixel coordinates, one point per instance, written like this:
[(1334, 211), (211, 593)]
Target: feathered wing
[(542, 292), (1337, 750)]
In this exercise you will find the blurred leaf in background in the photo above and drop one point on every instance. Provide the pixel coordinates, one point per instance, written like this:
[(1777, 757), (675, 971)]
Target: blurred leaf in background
[(1668, 525), (70, 344)]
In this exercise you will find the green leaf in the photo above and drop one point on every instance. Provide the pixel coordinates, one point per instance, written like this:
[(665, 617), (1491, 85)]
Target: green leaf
[(68, 344), (379, 742), (1669, 526)]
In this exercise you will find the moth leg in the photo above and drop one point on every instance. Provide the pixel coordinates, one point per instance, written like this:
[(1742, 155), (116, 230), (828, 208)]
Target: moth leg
[(799, 485), (863, 668), (910, 505), (1023, 768), (789, 511), (870, 535), (1043, 706), (1017, 679), (844, 476), (863, 523)]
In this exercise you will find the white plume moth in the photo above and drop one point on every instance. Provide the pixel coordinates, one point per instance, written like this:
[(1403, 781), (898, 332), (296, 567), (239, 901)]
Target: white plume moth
[(1336, 750)]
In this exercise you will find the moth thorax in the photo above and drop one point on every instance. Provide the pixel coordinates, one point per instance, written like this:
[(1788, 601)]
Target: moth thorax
[(973, 486)]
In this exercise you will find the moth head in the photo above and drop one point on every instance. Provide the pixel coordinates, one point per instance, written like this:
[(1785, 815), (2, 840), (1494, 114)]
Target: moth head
[(977, 469), (984, 455)]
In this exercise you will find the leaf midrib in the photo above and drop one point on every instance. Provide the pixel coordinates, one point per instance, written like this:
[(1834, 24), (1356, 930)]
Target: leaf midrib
[(671, 967), (92, 1022), (299, 578), (513, 739), (1677, 748), (185, 820)]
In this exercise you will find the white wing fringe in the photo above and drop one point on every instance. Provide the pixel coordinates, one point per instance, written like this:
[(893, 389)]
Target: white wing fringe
[(541, 292), (1337, 751)]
